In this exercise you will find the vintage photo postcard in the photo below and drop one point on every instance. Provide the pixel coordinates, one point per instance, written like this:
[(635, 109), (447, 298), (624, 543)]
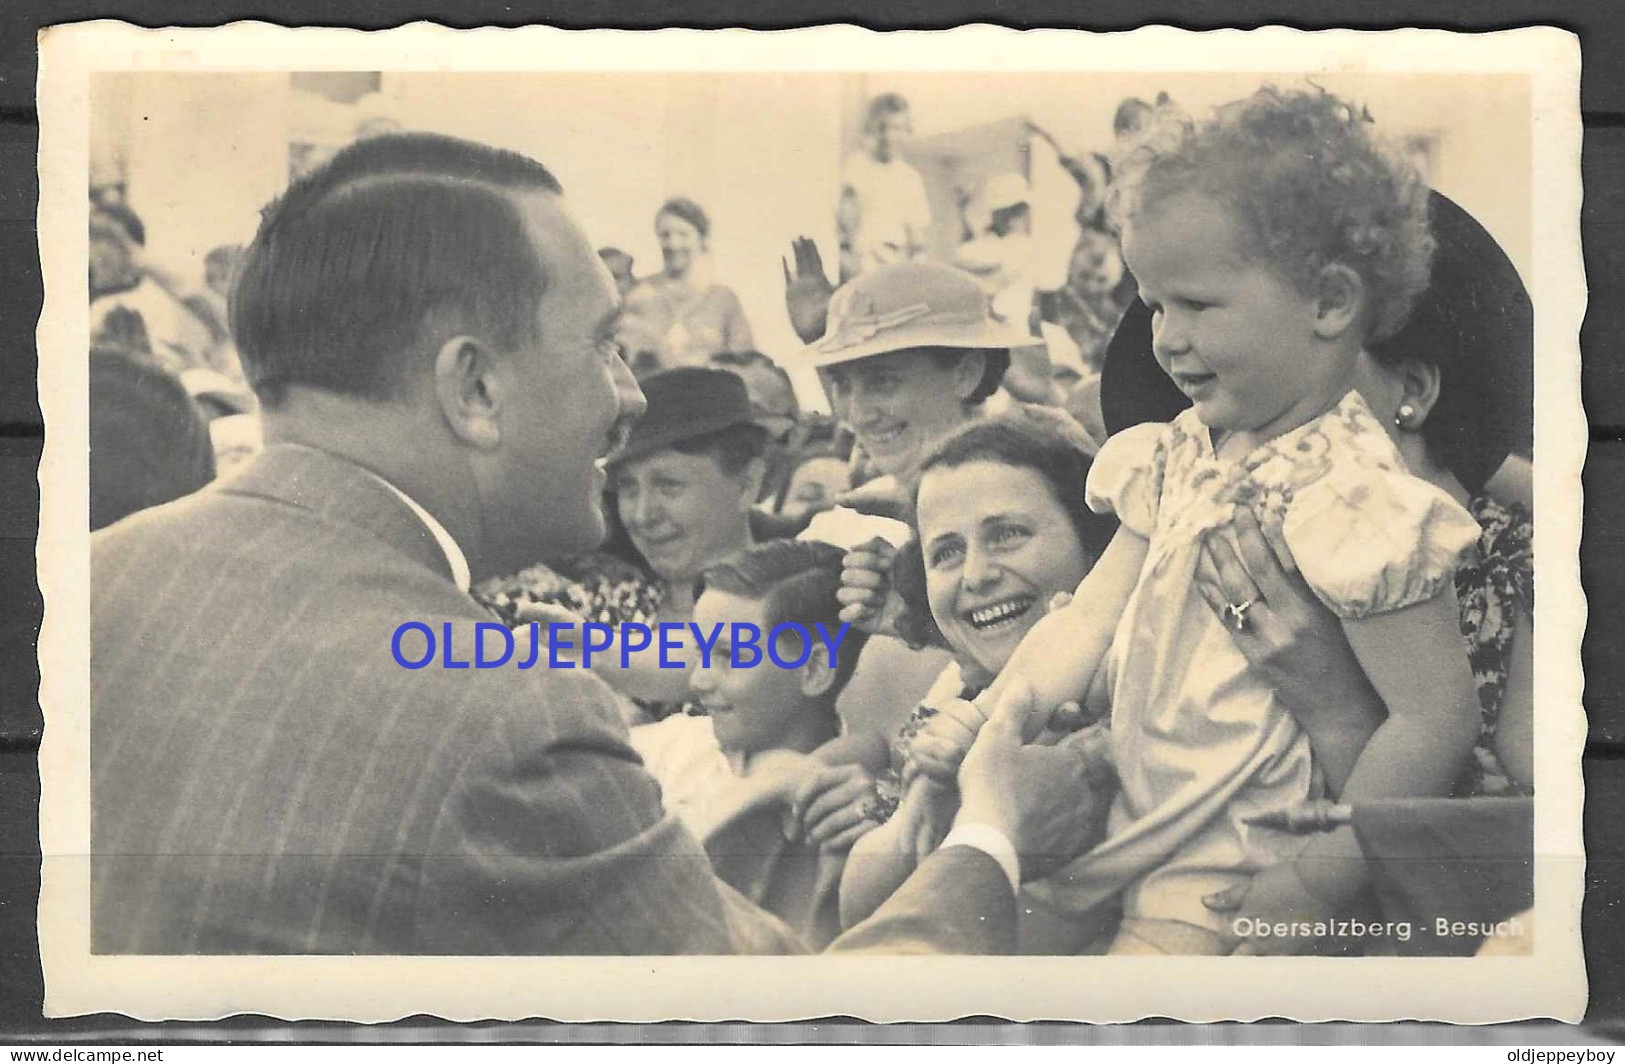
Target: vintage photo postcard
[(734, 525)]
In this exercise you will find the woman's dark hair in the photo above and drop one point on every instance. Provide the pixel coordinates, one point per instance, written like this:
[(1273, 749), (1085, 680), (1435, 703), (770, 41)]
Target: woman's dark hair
[(995, 362), (689, 211), (887, 103), (1051, 445), (397, 242)]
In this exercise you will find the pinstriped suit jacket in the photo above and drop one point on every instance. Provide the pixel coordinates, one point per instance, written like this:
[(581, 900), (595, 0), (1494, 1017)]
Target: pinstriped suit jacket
[(267, 779)]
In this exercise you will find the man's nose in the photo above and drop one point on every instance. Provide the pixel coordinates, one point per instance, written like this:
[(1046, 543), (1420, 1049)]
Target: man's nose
[(630, 403), (701, 680)]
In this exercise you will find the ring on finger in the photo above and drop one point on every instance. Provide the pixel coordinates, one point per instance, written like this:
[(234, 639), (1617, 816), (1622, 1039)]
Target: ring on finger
[(1235, 614)]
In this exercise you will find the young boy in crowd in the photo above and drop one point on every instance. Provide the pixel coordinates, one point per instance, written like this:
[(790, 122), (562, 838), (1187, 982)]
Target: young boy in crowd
[(765, 779), (768, 730)]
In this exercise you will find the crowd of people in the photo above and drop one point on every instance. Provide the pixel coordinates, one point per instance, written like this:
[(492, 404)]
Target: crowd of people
[(1148, 580), (170, 408)]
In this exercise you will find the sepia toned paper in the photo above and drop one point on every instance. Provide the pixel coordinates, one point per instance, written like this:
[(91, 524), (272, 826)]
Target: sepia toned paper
[(206, 124)]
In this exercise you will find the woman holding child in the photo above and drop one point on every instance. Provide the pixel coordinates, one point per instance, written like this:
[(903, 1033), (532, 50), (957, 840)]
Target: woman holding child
[(1277, 248), (1455, 388)]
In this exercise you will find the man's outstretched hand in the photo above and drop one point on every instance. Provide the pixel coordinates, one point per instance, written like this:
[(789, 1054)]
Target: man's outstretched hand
[(807, 290), (1046, 799)]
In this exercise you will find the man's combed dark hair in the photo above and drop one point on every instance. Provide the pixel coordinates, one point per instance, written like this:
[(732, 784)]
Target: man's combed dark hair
[(396, 244), (796, 581)]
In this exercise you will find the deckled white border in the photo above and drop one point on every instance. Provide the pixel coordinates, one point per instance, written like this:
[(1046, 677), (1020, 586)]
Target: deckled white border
[(1550, 983)]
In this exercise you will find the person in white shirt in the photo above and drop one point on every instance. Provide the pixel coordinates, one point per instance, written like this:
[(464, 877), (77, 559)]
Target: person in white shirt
[(122, 276), (884, 215), (766, 779), (768, 729)]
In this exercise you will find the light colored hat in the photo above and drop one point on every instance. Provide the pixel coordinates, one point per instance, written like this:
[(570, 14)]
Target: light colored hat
[(905, 305), (1005, 190)]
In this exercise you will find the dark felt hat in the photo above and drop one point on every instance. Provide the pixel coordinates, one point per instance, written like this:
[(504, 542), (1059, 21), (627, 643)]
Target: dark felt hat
[(1475, 322), (685, 403)]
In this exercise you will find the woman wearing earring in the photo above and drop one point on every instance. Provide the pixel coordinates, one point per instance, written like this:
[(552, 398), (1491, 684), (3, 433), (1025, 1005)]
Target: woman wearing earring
[(1455, 387)]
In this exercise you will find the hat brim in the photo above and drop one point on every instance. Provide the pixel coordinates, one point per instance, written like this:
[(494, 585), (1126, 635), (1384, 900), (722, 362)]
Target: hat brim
[(1475, 322), (989, 335), (690, 428)]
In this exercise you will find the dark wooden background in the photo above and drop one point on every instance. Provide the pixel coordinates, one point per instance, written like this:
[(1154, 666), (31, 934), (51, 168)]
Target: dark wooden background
[(1602, 31)]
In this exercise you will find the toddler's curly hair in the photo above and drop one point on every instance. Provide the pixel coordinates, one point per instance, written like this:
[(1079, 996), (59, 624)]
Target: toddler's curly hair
[(1310, 183)]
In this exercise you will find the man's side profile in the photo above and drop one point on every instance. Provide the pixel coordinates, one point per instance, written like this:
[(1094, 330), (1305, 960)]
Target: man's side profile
[(429, 333)]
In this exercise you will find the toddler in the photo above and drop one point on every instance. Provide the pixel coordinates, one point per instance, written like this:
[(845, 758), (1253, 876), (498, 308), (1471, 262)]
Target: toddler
[(1273, 243)]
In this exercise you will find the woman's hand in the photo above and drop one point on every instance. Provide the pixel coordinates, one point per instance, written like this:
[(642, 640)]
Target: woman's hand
[(1294, 642), (807, 290), (866, 596), (834, 807), (1277, 895), (939, 747)]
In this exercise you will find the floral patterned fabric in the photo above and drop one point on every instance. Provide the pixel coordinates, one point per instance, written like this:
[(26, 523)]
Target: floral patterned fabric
[(1201, 744), (1495, 588), (598, 588), (889, 788)]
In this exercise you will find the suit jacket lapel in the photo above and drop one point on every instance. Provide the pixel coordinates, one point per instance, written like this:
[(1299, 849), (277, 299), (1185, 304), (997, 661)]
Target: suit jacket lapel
[(338, 490)]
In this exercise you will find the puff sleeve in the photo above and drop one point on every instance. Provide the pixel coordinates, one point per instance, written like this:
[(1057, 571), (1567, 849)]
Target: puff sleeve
[(1126, 476), (1371, 541)]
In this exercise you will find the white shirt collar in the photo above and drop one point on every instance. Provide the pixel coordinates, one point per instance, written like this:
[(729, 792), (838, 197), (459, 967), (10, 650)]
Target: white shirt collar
[(455, 558)]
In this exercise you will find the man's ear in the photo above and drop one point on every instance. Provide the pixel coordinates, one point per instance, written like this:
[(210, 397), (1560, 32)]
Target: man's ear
[(968, 373), (472, 390), (816, 674), (1340, 297)]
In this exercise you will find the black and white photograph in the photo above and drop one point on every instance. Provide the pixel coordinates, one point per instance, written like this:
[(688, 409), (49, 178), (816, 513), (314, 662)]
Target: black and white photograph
[(686, 525)]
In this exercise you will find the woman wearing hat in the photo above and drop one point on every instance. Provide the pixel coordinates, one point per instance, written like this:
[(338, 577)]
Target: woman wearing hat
[(681, 491), (909, 353), (1455, 388)]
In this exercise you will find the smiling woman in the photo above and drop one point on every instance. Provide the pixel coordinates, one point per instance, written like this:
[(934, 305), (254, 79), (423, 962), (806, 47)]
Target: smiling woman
[(1002, 530), (682, 310)]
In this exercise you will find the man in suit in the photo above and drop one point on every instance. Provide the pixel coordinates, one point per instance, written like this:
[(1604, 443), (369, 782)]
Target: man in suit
[(428, 331)]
